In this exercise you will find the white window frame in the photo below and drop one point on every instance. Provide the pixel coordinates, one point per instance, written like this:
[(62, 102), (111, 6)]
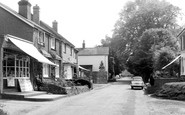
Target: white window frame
[(53, 43), (57, 75), (45, 70)]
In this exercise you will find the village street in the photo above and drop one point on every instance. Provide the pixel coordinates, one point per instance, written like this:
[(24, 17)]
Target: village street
[(114, 99)]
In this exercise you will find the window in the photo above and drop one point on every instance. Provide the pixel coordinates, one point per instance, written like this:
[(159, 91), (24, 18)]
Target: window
[(15, 65), (45, 70), (52, 43), (75, 55), (65, 48), (57, 70), (41, 37)]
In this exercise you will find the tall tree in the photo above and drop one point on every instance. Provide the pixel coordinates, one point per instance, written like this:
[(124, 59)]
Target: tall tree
[(135, 18), (147, 55)]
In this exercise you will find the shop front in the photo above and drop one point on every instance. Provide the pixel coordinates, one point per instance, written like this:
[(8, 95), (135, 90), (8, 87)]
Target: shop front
[(16, 66)]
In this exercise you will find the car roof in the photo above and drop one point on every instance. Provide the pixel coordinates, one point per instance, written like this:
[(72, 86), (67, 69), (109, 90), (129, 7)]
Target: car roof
[(137, 77)]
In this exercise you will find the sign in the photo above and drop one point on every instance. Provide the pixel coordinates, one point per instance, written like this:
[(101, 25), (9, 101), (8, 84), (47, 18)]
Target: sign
[(25, 85), (11, 82)]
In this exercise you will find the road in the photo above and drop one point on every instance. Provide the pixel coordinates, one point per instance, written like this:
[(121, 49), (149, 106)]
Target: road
[(115, 99)]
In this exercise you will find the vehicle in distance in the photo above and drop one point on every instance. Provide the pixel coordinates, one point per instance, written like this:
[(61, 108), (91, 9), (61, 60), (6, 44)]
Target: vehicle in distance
[(137, 82)]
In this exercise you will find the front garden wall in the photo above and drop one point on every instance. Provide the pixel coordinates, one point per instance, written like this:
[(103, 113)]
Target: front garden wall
[(173, 90)]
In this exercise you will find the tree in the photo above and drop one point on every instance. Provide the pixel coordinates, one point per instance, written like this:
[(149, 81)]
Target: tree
[(164, 57), (135, 18), (147, 55)]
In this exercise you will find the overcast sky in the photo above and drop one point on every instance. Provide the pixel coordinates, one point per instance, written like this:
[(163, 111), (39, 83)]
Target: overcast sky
[(79, 20)]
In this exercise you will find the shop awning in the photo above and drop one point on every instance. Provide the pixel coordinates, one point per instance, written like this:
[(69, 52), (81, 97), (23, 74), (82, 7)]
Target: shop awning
[(172, 61), (80, 67), (29, 49)]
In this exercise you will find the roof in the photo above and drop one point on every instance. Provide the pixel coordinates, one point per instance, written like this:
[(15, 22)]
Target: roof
[(31, 23), (93, 51), (27, 21), (46, 26), (181, 32)]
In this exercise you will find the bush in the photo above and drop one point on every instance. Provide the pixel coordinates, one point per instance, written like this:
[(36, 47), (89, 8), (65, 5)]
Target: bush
[(62, 87), (173, 90), (2, 112)]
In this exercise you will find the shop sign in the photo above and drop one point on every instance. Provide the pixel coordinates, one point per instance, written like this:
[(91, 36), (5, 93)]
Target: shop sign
[(11, 82), (25, 85)]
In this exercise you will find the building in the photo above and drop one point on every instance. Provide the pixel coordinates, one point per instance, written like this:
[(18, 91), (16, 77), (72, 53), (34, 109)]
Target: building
[(181, 37), (43, 52), (91, 58)]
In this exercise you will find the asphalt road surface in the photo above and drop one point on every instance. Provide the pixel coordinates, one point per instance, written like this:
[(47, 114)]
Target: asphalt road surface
[(115, 99)]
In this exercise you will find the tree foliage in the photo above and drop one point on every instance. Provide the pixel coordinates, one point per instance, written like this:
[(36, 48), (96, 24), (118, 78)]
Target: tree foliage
[(156, 48), (135, 18)]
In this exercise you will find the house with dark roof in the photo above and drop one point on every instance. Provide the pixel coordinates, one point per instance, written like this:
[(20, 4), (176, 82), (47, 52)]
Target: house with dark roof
[(91, 58), (30, 49)]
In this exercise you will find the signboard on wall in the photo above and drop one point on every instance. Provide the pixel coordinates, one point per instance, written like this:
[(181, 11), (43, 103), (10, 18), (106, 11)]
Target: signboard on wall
[(25, 85), (11, 82)]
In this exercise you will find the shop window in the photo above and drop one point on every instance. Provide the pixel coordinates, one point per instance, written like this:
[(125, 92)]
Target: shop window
[(41, 38), (45, 70), (16, 66), (53, 43)]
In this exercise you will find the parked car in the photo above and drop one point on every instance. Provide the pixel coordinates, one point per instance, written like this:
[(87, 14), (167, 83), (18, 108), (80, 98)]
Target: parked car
[(137, 82)]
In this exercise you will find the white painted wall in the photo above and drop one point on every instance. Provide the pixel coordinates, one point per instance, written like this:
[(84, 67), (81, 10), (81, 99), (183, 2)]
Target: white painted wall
[(93, 60), (68, 72)]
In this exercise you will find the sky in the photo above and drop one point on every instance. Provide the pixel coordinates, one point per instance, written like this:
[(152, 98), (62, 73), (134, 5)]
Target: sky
[(78, 20)]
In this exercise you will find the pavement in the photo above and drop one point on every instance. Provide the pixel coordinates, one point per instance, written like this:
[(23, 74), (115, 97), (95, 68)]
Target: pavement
[(105, 99)]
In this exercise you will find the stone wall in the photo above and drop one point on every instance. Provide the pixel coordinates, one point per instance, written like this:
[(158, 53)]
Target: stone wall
[(158, 83), (100, 77)]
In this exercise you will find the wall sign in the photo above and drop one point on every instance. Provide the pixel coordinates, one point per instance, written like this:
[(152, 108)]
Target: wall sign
[(11, 82), (25, 85)]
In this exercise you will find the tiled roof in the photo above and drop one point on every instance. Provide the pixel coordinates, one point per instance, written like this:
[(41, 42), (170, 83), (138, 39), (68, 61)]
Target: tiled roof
[(46, 26), (93, 51)]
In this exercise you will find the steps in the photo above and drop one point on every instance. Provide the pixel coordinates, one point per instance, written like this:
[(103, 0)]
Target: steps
[(31, 96)]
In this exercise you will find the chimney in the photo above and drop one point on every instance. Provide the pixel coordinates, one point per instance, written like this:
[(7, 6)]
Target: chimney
[(55, 25), (36, 14), (25, 9), (83, 44)]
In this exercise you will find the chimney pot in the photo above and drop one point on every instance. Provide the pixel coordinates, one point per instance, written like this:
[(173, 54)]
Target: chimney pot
[(25, 9), (55, 25), (83, 44), (36, 14)]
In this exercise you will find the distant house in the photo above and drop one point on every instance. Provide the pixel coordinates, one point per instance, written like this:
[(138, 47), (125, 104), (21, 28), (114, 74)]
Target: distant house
[(90, 58)]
